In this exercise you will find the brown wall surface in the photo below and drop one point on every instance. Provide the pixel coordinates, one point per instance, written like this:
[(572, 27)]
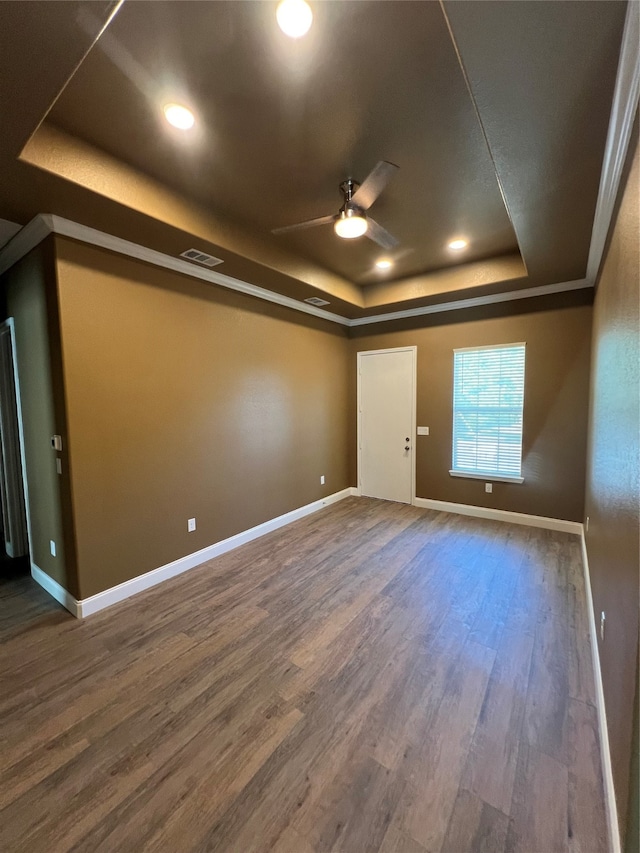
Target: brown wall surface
[(29, 291), (555, 408), (613, 478), (188, 400)]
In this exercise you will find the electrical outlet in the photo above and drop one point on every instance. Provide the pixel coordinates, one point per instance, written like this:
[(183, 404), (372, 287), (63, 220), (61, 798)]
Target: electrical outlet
[(322, 480), (52, 547), (586, 525), (488, 487), (191, 525), (603, 619)]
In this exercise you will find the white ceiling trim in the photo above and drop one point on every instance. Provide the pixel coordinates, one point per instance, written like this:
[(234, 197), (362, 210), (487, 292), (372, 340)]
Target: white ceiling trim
[(475, 301), (8, 230), (623, 111), (67, 228), (24, 241), (46, 223)]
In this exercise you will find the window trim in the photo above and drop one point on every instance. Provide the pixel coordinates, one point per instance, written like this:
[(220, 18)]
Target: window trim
[(488, 476)]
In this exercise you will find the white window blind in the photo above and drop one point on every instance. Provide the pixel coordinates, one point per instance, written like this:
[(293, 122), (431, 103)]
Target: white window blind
[(488, 398)]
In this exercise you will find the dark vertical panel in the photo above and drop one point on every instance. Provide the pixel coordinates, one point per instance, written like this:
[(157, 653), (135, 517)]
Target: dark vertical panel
[(613, 478), (31, 299)]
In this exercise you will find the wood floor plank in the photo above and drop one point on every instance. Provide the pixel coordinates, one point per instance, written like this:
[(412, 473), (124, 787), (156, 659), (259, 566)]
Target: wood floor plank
[(492, 616), (491, 764), (547, 707), (475, 827), (587, 820), (396, 841), (374, 678), (291, 841), (434, 775), (540, 804)]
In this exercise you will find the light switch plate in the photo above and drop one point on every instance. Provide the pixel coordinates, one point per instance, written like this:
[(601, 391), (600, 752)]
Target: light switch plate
[(423, 430)]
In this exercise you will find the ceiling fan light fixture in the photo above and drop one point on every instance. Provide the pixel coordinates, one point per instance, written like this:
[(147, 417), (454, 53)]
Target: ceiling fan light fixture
[(179, 116), (350, 224), (294, 18), (458, 244)]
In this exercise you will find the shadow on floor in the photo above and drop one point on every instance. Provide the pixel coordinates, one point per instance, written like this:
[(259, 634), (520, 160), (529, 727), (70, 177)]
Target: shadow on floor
[(23, 604)]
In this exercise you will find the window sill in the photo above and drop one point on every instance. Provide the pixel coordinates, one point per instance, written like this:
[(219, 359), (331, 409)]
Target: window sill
[(489, 478)]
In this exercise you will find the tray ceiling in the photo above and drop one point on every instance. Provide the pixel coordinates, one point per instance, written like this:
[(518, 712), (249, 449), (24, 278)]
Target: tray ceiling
[(496, 114)]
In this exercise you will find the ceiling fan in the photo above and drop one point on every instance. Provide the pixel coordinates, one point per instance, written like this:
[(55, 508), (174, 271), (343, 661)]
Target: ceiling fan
[(352, 219)]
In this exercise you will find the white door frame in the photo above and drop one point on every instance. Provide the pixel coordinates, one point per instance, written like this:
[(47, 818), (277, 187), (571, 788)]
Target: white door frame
[(9, 322), (414, 385)]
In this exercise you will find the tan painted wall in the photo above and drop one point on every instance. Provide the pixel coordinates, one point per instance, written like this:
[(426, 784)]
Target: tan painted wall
[(29, 290), (187, 400), (613, 480), (556, 399)]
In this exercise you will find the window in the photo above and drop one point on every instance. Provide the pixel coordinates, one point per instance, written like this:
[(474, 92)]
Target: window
[(488, 397)]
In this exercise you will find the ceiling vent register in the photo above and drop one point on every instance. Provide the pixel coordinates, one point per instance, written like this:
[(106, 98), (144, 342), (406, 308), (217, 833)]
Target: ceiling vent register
[(201, 258), (315, 300)]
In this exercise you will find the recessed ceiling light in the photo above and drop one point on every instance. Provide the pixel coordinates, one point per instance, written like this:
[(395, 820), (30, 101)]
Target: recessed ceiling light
[(384, 264), (350, 224), (456, 245), (179, 116), (294, 17)]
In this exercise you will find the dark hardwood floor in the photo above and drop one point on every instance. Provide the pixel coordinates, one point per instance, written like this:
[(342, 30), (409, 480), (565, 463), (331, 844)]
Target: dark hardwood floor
[(374, 677)]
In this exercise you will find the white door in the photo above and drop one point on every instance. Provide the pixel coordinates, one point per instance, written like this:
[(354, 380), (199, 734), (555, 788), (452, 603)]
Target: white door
[(386, 423)]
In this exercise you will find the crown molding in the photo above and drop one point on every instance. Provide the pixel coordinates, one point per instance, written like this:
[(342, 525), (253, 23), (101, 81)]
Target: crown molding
[(623, 111), (24, 241), (474, 302), (67, 228), (8, 231), (46, 223)]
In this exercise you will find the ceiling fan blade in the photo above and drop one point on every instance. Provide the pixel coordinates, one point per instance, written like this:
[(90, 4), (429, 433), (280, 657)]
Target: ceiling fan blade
[(380, 235), (373, 184), (310, 223)]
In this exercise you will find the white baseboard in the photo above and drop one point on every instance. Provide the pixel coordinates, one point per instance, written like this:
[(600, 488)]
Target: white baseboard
[(55, 590), (94, 603), (502, 515), (605, 752)]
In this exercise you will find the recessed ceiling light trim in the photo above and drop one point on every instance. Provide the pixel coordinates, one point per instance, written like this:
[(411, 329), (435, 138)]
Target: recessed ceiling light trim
[(179, 116), (458, 244), (384, 264), (294, 18)]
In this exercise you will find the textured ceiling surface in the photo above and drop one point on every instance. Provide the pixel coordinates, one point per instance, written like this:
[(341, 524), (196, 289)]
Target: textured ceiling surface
[(281, 123), (496, 114)]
